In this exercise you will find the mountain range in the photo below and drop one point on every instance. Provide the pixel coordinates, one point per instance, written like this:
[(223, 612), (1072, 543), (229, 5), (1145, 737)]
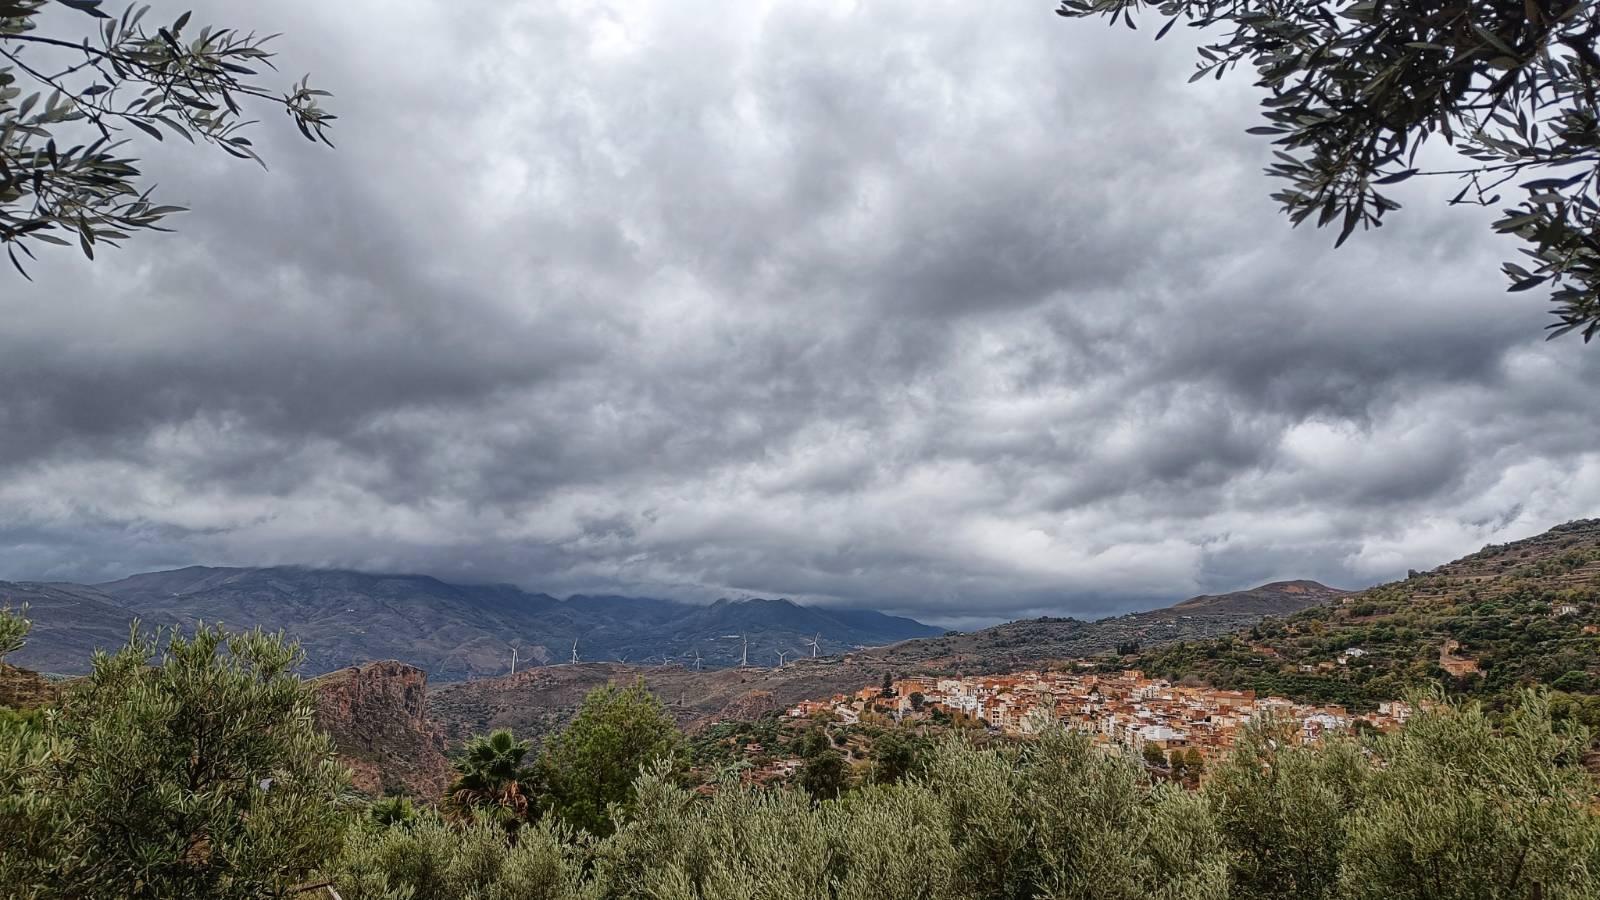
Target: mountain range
[(452, 631)]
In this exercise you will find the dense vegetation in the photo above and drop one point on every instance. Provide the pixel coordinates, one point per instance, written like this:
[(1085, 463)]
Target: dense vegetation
[(197, 772), (585, 769), (1507, 617), (1507, 814)]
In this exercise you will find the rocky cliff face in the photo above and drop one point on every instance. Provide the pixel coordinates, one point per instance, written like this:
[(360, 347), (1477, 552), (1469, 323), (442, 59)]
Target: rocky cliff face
[(378, 717), (22, 689)]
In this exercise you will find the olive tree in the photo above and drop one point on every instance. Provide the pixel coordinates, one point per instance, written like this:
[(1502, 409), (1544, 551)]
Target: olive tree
[(1456, 809), (29, 825), (431, 858), (189, 770), (70, 101), (14, 627), (1283, 809), (1356, 88)]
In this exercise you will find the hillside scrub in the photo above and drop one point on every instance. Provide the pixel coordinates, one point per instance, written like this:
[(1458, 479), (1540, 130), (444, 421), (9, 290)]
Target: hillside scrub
[(1504, 618)]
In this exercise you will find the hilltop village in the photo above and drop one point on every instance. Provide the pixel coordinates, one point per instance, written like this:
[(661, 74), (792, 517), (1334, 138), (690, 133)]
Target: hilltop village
[(1122, 709)]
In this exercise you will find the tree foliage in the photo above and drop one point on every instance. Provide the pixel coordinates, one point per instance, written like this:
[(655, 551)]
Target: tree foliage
[(69, 103), (1455, 809), (1451, 807), (1060, 819), (14, 627), (193, 770), (1282, 809), (1357, 88), (823, 772), (491, 779), (895, 755), (592, 763)]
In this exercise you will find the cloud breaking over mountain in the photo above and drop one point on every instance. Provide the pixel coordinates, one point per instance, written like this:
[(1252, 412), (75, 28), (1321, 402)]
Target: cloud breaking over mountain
[(955, 310)]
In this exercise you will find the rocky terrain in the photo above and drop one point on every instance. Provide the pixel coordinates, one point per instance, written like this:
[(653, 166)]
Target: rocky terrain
[(377, 714), (452, 631), (22, 689)]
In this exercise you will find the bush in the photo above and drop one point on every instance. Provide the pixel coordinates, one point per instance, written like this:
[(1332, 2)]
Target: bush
[(1456, 809), (201, 775), (1282, 809), (435, 860), (1449, 808)]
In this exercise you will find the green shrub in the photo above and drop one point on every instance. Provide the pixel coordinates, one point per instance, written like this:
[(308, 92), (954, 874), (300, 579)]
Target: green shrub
[(195, 773)]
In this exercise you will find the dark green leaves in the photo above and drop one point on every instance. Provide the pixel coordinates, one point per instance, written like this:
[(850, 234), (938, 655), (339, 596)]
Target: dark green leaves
[(122, 79), (1397, 177), (1355, 88)]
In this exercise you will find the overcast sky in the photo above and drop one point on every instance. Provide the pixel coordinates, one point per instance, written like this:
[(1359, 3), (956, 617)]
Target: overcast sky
[(954, 309)]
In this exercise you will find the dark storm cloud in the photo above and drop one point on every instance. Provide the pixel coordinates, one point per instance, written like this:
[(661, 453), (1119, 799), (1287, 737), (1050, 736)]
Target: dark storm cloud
[(963, 312)]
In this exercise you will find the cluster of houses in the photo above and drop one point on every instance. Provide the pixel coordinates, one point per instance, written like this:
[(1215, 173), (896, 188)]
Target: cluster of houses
[(1119, 708)]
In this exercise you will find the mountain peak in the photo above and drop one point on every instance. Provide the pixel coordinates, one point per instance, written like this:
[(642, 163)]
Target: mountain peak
[(1276, 598)]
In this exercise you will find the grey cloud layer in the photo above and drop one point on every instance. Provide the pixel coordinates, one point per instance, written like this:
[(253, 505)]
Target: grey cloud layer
[(961, 311)]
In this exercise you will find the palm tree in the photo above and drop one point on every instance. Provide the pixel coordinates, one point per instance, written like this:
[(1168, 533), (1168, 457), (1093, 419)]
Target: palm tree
[(491, 779), (390, 812)]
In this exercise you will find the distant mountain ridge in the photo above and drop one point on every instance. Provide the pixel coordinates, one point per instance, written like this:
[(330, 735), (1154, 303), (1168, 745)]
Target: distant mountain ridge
[(451, 631), (1027, 642), (1275, 599)]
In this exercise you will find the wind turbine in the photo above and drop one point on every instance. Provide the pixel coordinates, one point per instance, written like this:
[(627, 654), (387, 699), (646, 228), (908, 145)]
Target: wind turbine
[(697, 659), (622, 658), (813, 643), (574, 652), (744, 654), (781, 655), (513, 659)]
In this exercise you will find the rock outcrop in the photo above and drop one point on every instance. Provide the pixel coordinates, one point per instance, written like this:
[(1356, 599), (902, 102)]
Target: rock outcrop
[(377, 715), (749, 706), (22, 689)]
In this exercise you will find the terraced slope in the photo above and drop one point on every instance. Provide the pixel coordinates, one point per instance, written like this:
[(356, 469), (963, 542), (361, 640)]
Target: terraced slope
[(1510, 615)]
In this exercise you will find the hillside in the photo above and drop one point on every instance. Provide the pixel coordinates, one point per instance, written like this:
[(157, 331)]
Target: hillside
[(539, 700), (451, 631), (1032, 641), (1527, 612), (70, 622), (22, 689)]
